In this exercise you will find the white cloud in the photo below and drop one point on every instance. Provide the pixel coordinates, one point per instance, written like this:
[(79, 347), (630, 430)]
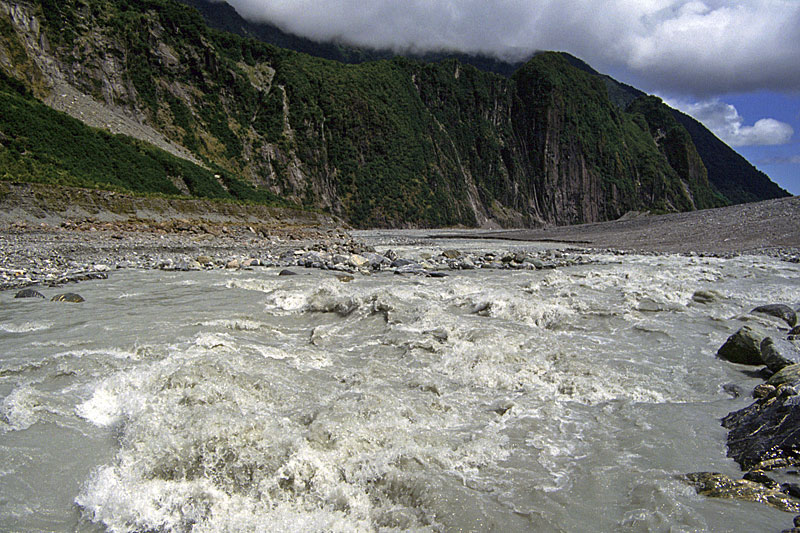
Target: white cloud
[(707, 47), (724, 120)]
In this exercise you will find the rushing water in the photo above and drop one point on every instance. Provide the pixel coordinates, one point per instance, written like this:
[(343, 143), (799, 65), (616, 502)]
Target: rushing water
[(551, 400)]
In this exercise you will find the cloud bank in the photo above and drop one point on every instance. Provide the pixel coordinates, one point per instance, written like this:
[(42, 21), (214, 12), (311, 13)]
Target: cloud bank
[(703, 47), (724, 120)]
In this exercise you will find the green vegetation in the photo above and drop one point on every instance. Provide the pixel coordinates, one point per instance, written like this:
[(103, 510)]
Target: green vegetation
[(40, 145)]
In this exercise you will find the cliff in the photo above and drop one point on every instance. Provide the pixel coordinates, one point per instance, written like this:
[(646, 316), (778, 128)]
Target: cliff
[(392, 143)]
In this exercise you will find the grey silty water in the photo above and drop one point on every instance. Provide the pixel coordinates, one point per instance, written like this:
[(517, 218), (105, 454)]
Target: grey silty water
[(550, 400)]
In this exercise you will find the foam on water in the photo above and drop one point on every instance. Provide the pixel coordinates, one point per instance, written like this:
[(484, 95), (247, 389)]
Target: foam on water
[(24, 327)]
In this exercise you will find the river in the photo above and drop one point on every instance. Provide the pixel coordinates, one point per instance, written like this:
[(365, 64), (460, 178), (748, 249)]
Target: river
[(561, 400)]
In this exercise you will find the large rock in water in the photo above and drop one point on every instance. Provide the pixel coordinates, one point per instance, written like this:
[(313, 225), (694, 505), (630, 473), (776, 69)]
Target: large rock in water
[(779, 354), (765, 435), (29, 293), (70, 297), (743, 347), (784, 312)]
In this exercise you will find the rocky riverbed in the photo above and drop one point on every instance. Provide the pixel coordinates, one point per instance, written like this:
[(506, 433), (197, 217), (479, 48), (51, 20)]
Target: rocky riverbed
[(44, 255)]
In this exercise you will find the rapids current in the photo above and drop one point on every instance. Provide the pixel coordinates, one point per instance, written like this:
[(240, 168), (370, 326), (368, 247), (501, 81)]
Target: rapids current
[(488, 400)]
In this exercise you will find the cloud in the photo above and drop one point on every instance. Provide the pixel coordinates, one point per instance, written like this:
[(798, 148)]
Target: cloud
[(724, 120), (706, 47), (789, 160)]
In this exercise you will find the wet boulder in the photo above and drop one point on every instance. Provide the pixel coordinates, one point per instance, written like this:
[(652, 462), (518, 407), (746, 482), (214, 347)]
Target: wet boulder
[(69, 297), (716, 485), (789, 375), (778, 354), (29, 293), (781, 311), (286, 272), (743, 347), (764, 435)]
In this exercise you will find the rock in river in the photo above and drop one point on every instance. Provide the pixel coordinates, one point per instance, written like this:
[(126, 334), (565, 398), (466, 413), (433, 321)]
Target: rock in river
[(70, 297), (29, 293), (743, 347), (764, 435), (715, 485), (778, 354), (784, 312)]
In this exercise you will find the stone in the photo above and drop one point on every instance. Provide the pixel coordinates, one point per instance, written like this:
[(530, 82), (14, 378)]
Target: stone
[(451, 254), (376, 260), (400, 262), (345, 278), (70, 297), (778, 354), (285, 272), (789, 375), (764, 435), (716, 485), (763, 390), (204, 260), (794, 333), (743, 347), (358, 261), (782, 311), (29, 293), (233, 264), (705, 296)]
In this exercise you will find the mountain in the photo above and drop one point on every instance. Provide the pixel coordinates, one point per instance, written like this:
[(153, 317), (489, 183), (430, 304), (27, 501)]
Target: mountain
[(393, 143)]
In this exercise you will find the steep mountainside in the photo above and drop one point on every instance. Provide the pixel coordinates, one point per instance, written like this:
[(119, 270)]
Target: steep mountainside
[(396, 142)]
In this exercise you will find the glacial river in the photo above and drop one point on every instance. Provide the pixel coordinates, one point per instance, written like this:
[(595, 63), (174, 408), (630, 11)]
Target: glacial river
[(489, 400)]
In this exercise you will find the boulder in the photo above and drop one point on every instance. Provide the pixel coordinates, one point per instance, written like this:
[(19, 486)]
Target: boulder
[(764, 435), (778, 354), (794, 334), (782, 311), (70, 297), (789, 375), (204, 260), (29, 293), (376, 260), (743, 347), (358, 261), (716, 485), (233, 264), (285, 272), (705, 296), (451, 254)]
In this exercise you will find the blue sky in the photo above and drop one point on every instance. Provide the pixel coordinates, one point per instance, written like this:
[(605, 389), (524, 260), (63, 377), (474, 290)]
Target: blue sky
[(732, 64)]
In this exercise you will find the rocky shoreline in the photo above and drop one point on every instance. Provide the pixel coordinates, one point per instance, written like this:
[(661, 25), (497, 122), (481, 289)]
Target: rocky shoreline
[(764, 438)]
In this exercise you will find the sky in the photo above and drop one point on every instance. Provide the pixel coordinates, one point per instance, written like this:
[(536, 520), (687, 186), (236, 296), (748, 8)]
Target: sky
[(734, 65)]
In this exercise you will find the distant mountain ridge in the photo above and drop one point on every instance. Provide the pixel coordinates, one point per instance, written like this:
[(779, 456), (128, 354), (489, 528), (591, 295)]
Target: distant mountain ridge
[(730, 173), (392, 143)]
